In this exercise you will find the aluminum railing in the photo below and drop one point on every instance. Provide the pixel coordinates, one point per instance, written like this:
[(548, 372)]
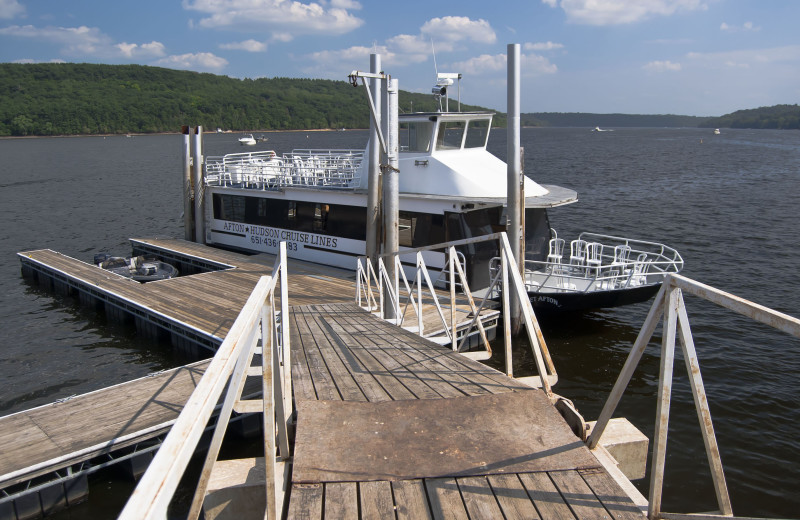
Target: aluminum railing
[(336, 169), (669, 304), (260, 332), (507, 279)]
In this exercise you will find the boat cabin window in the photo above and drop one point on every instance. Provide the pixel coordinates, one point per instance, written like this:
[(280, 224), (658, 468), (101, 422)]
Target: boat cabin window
[(420, 229), (450, 135), (477, 133), (416, 136)]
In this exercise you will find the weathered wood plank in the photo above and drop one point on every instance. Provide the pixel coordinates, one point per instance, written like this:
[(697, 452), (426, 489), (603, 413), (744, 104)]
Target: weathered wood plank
[(411, 500), (341, 500), (545, 496), (445, 499), (512, 497), (614, 499), (578, 495), (306, 502), (376, 500), (479, 498)]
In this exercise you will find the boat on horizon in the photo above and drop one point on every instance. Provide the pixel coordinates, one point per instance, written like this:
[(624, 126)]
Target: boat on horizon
[(450, 188), (247, 140)]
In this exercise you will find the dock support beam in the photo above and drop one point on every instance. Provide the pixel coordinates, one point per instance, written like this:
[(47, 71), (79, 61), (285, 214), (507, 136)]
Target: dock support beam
[(391, 188), (188, 197), (199, 185), (374, 182), (514, 175)]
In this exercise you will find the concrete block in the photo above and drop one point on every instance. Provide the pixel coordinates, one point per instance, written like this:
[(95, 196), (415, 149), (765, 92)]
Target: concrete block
[(28, 506), (77, 489), (626, 444), (7, 511), (53, 499)]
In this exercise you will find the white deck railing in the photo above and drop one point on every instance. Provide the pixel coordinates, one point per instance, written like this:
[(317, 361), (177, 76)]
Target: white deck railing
[(669, 304), (507, 279), (261, 331), (336, 169)]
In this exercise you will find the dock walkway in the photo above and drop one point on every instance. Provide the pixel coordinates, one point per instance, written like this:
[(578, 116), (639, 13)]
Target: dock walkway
[(392, 426)]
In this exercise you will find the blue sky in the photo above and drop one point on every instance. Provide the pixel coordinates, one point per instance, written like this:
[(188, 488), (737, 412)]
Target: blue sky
[(695, 57)]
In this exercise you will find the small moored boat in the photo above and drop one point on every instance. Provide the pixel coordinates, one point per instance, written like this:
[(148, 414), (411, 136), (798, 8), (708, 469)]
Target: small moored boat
[(247, 140), (138, 268)]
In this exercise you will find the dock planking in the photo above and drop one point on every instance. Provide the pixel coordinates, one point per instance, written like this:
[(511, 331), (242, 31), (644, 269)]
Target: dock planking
[(343, 354)]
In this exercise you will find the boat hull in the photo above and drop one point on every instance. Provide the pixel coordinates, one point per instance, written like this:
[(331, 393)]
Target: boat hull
[(582, 301)]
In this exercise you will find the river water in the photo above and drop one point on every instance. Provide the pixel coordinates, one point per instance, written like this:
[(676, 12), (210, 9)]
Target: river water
[(728, 203)]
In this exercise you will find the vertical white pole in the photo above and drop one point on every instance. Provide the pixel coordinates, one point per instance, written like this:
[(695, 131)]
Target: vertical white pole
[(199, 188), (513, 170), (391, 185), (374, 176)]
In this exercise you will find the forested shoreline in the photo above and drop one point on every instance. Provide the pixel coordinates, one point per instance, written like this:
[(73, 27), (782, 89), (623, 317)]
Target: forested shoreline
[(81, 99)]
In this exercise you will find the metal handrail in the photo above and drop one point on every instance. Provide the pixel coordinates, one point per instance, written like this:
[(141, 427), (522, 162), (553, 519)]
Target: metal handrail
[(669, 305), (261, 331), (267, 170), (508, 276)]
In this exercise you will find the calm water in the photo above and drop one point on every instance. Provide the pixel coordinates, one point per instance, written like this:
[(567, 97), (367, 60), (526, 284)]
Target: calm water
[(727, 203)]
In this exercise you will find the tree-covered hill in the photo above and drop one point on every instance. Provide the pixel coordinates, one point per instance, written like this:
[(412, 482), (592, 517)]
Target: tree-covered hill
[(69, 99), (578, 119), (778, 116)]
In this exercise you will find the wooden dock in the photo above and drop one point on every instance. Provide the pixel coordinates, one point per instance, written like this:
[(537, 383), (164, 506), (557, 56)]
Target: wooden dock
[(392, 426), (193, 313)]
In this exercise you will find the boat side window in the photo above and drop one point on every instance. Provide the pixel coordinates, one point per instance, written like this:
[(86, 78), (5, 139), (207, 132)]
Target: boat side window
[(477, 133), (321, 218), (416, 136), (420, 229), (450, 135), (229, 207), (347, 222)]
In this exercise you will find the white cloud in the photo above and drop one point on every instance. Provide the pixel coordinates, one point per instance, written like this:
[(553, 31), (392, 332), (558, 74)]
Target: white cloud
[(662, 66), (247, 45), (29, 61), (789, 54), (287, 17), (613, 12), (530, 65), (145, 50), (10, 9), (542, 46), (84, 42), (201, 61), (746, 27), (457, 28), (346, 4)]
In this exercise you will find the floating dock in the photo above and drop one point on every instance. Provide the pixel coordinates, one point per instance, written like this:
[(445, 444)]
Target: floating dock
[(392, 426), (46, 458)]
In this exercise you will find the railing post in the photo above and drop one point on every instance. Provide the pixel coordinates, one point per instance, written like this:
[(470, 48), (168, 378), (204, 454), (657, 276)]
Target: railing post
[(506, 312), (451, 254), (664, 395)]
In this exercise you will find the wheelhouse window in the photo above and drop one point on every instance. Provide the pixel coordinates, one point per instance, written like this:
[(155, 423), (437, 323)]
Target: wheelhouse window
[(477, 133), (450, 135), (416, 136)]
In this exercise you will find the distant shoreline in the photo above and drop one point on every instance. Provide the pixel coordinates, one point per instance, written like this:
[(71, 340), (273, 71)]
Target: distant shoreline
[(233, 132)]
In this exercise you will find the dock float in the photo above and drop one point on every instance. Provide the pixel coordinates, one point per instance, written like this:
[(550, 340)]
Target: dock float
[(392, 426), (128, 421)]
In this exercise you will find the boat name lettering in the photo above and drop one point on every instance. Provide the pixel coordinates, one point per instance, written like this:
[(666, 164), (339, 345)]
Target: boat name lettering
[(234, 226), (288, 236)]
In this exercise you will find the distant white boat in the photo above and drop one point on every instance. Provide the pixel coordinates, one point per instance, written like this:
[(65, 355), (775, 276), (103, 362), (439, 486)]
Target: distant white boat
[(247, 140), (598, 129), (716, 131)]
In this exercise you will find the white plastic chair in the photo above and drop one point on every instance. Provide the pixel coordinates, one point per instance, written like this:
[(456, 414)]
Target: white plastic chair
[(577, 252), (594, 256), (556, 250)]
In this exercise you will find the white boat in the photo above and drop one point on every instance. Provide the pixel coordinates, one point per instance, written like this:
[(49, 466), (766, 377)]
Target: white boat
[(716, 131), (451, 188), (247, 140)]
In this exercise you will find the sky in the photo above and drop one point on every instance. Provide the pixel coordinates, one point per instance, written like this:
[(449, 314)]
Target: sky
[(688, 57)]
